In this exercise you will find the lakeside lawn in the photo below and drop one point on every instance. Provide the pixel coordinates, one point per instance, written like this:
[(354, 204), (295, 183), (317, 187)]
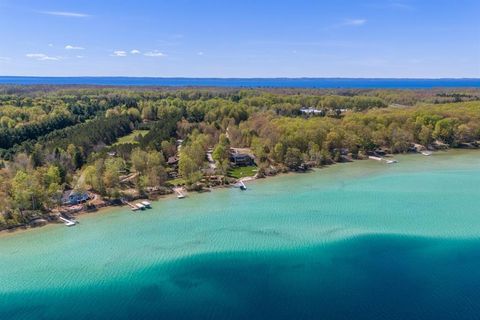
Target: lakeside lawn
[(176, 182), (131, 138), (242, 172)]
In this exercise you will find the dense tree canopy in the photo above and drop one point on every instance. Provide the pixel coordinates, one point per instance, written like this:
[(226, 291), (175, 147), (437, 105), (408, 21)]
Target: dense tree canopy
[(114, 140)]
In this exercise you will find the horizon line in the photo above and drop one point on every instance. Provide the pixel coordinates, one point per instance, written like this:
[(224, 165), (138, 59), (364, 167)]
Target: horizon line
[(253, 78)]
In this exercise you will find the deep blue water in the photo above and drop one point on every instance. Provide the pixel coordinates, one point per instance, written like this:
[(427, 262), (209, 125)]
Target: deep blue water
[(367, 278), (248, 82)]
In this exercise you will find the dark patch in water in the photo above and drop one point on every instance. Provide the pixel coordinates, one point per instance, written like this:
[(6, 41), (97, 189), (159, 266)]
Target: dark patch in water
[(365, 278), (151, 293)]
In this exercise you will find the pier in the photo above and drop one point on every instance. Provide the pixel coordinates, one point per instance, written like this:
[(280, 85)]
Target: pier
[(68, 223), (131, 205), (179, 193)]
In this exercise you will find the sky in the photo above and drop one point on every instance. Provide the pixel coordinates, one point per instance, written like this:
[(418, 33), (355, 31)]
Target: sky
[(241, 38)]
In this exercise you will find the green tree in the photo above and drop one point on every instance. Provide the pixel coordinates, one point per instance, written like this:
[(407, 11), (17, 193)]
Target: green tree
[(293, 158)]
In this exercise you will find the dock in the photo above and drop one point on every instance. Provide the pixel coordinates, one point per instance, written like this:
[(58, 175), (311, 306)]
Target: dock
[(131, 205), (179, 193), (388, 161), (68, 223)]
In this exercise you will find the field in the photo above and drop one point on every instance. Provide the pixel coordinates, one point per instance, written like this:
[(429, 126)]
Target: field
[(131, 137)]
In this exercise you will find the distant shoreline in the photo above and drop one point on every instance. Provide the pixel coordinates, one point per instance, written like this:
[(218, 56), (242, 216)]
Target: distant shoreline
[(280, 82)]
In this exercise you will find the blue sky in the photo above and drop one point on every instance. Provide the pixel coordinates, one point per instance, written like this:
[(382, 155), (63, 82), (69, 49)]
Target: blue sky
[(208, 38)]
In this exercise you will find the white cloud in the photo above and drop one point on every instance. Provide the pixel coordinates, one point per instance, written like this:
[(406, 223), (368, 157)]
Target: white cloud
[(354, 22), (154, 54), (41, 57), (66, 14), (135, 51), (119, 53), (80, 57), (200, 53), (70, 47), (50, 45), (4, 59)]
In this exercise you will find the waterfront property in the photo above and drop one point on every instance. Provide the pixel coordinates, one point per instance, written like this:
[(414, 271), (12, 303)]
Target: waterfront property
[(241, 159), (72, 197)]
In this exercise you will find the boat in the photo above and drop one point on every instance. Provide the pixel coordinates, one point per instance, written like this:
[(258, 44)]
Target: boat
[(140, 206), (391, 161), (147, 204), (242, 186), (375, 158), (426, 153)]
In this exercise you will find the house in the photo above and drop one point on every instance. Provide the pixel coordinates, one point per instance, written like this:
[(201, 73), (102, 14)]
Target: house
[(72, 197), (241, 159), (312, 111)]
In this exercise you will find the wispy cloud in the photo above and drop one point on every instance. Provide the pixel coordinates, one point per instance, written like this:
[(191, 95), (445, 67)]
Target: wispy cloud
[(353, 22), (70, 47), (41, 57), (348, 23), (66, 14), (135, 51), (200, 53), (119, 53), (4, 59), (154, 53)]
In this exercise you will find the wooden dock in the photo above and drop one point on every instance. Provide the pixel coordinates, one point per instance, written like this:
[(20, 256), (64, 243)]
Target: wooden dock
[(179, 193), (131, 205), (68, 223)]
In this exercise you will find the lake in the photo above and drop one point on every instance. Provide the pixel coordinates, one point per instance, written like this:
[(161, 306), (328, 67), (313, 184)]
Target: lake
[(362, 240), (248, 82)]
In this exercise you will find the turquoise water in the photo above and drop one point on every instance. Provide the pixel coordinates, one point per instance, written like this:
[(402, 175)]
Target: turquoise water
[(363, 240)]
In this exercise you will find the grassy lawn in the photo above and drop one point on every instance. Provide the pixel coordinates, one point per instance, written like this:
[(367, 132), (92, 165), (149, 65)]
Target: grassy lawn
[(131, 137), (176, 182), (241, 172)]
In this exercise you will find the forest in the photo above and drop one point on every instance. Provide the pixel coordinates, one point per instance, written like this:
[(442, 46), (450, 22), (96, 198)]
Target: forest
[(126, 143)]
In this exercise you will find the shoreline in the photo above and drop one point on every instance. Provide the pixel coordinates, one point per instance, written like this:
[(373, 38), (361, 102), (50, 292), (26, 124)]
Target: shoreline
[(171, 196)]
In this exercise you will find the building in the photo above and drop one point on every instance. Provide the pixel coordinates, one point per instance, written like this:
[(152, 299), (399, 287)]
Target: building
[(72, 198), (312, 111), (241, 159)]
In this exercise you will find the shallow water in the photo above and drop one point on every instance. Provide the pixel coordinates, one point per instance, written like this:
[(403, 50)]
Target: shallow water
[(363, 240)]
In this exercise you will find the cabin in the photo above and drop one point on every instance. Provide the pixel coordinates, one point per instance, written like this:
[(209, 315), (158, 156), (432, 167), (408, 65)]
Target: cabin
[(241, 159)]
